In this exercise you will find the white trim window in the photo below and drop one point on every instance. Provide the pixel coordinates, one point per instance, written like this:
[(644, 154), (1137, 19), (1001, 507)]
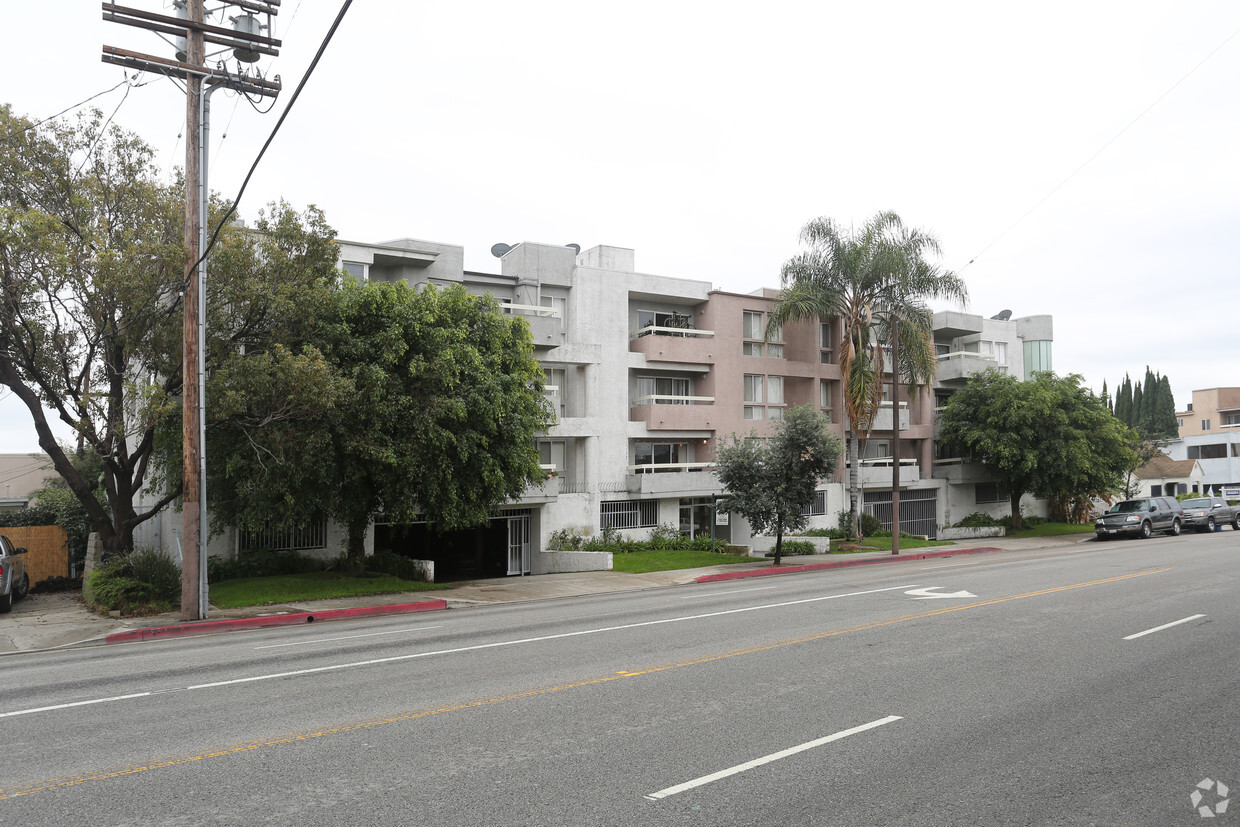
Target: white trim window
[(754, 395)]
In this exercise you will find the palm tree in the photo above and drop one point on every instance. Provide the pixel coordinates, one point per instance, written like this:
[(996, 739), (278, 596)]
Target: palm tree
[(871, 280)]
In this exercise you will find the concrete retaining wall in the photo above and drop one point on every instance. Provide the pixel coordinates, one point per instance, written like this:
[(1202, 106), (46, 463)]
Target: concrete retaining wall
[(557, 562), (971, 533)]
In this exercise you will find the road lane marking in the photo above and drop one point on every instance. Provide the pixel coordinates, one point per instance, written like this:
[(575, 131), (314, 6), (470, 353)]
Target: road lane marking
[(733, 591), (521, 641), (1164, 626), (59, 783), (766, 759), (931, 592), (73, 704), (348, 637)]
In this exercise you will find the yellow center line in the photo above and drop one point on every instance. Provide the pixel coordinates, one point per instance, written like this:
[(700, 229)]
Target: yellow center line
[(290, 738)]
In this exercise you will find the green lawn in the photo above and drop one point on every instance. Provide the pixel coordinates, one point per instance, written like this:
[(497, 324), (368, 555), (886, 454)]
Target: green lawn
[(640, 562), (319, 585), (1052, 530), (884, 544)]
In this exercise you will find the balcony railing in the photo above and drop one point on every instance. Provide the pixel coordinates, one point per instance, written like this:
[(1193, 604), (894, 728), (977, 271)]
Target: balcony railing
[(663, 399), (530, 310), (662, 467), (656, 330)]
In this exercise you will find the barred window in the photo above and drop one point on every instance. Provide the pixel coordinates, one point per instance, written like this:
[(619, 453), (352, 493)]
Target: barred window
[(629, 514), (989, 492), (819, 506), (286, 539)]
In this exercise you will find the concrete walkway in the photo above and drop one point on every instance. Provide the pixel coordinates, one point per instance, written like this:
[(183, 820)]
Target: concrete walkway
[(48, 621)]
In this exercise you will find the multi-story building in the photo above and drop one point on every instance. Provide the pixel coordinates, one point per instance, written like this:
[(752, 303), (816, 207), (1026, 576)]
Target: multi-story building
[(646, 374), (1210, 433)]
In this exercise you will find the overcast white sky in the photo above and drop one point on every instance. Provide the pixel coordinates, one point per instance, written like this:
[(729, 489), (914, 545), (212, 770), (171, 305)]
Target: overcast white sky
[(1082, 155)]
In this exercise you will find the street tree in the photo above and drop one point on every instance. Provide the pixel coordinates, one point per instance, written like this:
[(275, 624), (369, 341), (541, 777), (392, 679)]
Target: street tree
[(430, 406), (773, 483), (92, 268), (871, 280), (1048, 436)]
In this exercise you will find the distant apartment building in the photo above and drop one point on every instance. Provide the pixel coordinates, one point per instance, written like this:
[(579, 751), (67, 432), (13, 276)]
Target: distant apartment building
[(1210, 434)]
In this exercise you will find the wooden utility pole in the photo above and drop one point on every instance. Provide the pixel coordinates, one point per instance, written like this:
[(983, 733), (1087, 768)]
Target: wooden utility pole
[(199, 79)]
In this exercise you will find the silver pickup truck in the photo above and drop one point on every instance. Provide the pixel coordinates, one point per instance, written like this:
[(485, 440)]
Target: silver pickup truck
[(1209, 513), (14, 582)]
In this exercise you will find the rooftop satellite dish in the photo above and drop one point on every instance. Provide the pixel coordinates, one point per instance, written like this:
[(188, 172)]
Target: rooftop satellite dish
[(576, 248), (500, 250), (1002, 315)]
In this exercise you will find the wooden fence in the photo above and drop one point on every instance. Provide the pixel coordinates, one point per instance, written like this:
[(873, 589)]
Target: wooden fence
[(47, 550)]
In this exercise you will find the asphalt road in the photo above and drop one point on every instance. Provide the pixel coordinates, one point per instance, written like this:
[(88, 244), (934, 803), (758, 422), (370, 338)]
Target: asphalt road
[(1093, 684)]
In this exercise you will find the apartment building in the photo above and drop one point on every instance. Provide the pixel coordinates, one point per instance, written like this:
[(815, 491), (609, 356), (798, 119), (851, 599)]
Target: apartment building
[(1210, 434), (645, 375)]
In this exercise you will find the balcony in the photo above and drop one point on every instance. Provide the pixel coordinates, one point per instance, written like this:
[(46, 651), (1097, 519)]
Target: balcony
[(688, 479), (545, 323), (882, 419), (877, 472), (673, 413), (670, 344), (958, 366), (951, 324), (958, 470)]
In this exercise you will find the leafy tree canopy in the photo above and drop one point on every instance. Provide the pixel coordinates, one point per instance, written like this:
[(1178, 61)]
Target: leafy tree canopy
[(772, 484), (92, 267), (1047, 436), (426, 405)]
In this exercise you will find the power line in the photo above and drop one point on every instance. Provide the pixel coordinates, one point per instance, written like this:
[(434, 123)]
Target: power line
[(37, 124), (297, 92), (1104, 147)]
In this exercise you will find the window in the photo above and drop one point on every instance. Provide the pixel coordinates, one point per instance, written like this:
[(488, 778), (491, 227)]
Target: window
[(989, 492), (356, 269), (554, 380), (1037, 356), (663, 390), (311, 536), (753, 387), (1215, 451), (629, 514), (1231, 419), (824, 394), (819, 506), (648, 456), (753, 330), (557, 303), (664, 319), (552, 452), (1205, 424)]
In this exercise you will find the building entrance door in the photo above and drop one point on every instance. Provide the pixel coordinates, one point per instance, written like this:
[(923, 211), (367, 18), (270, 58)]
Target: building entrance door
[(519, 544)]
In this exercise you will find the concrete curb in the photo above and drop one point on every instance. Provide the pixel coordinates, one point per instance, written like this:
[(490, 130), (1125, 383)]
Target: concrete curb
[(204, 627), (837, 564)]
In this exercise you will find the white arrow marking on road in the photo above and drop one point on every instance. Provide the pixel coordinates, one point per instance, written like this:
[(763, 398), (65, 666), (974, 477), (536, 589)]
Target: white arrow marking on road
[(929, 592)]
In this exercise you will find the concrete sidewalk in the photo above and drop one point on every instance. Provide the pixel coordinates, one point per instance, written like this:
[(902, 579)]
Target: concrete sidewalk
[(47, 621)]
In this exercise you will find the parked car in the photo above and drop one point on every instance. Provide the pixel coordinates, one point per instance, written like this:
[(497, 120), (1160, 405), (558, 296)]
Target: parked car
[(1140, 518), (14, 582), (1208, 513)]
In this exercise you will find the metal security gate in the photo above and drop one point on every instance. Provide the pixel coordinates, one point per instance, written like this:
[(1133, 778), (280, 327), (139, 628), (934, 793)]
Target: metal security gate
[(918, 510), (519, 544)]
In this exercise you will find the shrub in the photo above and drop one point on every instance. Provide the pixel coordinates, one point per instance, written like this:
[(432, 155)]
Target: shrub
[(262, 564), (568, 539), (977, 520), (870, 524), (1026, 522), (665, 536), (795, 547), (142, 582)]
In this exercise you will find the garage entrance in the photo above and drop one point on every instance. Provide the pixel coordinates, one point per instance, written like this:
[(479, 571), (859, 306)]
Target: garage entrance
[(501, 547)]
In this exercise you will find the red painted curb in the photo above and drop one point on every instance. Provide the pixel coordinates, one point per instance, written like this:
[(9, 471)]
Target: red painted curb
[(837, 564), (203, 627)]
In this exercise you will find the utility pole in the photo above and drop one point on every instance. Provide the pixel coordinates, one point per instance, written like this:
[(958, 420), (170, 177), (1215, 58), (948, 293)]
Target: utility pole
[(190, 29)]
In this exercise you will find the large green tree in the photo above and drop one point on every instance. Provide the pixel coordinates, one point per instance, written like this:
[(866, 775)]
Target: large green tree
[(431, 403), (1048, 436), (92, 266), (869, 279), (772, 483)]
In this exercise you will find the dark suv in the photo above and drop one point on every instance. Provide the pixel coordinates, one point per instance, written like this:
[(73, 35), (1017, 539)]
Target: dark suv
[(1209, 513), (1140, 518)]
